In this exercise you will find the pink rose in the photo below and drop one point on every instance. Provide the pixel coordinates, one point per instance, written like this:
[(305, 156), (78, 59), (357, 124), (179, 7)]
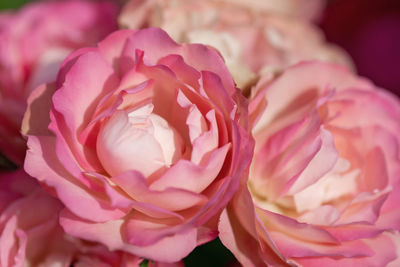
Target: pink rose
[(251, 39), (324, 182), (33, 43), (31, 236), (148, 142)]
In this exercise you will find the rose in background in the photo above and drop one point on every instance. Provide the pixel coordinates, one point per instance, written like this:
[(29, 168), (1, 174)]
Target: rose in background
[(324, 180), (147, 143), (369, 30), (33, 42), (30, 234), (302, 9), (252, 36)]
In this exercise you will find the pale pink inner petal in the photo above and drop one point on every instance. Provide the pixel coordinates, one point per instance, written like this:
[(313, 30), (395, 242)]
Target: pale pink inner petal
[(122, 146), (195, 120), (189, 176), (332, 186), (169, 139), (139, 140), (323, 215), (321, 164), (365, 207), (207, 141), (134, 184), (283, 169)]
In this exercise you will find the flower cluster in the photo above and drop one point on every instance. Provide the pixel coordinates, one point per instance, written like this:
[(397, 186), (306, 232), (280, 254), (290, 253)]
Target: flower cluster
[(195, 120)]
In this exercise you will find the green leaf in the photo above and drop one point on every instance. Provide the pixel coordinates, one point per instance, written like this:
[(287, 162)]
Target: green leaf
[(144, 263), (12, 4), (212, 254)]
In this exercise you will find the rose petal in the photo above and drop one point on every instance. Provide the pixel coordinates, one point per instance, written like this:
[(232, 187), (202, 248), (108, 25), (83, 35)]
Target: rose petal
[(186, 175), (172, 199), (79, 199), (169, 249)]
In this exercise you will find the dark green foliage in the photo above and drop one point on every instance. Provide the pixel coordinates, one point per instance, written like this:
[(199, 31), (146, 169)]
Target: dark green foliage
[(12, 4), (6, 164), (144, 263), (212, 254)]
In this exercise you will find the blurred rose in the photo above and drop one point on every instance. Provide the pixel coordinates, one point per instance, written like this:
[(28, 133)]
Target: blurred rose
[(302, 9), (33, 42), (148, 141), (250, 39), (325, 176), (31, 236)]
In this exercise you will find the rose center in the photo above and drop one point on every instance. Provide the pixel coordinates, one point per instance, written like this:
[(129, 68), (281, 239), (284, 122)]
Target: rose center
[(139, 140), (328, 190)]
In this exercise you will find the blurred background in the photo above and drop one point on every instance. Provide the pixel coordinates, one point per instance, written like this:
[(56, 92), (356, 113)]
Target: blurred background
[(369, 30)]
